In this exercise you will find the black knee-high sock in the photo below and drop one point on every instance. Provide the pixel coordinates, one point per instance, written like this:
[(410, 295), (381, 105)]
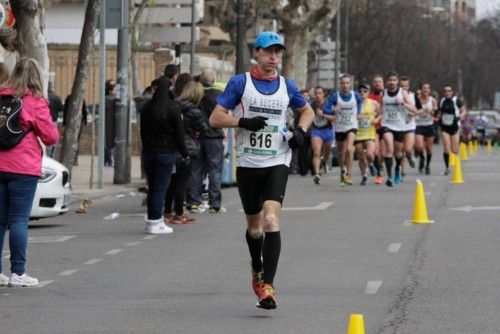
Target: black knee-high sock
[(429, 158), (388, 166), (270, 255), (398, 164), (421, 159), (255, 248), (378, 167), (446, 157)]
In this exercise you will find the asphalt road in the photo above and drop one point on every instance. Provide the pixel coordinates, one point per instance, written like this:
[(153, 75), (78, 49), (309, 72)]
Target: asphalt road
[(354, 255)]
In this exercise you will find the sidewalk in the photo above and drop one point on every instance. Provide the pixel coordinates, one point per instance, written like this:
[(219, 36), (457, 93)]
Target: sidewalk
[(80, 179)]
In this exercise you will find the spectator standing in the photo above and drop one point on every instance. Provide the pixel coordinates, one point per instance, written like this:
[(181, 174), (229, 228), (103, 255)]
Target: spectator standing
[(109, 113), (21, 166), (162, 133), (211, 153), (195, 124), (83, 122), (56, 106)]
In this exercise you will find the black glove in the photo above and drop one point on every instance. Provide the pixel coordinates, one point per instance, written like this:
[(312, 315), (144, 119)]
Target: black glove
[(184, 162), (298, 139), (252, 124)]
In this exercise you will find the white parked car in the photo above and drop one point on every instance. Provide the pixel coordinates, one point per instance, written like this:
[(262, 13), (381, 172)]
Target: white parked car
[(53, 190)]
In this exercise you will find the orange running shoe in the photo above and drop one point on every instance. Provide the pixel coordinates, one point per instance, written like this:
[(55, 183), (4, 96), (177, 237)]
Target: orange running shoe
[(267, 297), (379, 180), (257, 282)]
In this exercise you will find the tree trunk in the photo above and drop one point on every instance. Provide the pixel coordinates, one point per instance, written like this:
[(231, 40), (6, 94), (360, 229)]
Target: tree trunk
[(31, 41), (312, 66), (73, 122), (134, 30), (295, 57)]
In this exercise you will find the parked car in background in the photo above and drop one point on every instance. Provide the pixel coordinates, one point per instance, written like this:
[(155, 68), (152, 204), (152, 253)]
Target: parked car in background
[(53, 190)]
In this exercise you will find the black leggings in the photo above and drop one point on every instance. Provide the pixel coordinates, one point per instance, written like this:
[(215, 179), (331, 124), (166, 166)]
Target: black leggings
[(176, 192)]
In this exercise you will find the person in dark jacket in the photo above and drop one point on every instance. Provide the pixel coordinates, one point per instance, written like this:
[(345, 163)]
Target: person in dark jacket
[(211, 154), (109, 114), (195, 124), (56, 106), (162, 134)]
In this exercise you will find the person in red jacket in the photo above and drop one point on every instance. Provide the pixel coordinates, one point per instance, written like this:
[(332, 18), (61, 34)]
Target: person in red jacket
[(21, 166)]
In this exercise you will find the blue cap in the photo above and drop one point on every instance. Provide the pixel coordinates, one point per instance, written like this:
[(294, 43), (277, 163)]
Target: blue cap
[(269, 38)]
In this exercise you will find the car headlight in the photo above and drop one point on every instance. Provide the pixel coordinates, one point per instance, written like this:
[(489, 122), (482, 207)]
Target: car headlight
[(47, 175)]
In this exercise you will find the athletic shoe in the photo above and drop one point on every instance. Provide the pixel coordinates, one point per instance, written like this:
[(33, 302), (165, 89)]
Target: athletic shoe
[(317, 179), (157, 227), (388, 183), (169, 217), (421, 166), (379, 180), (363, 181), (4, 280), (182, 219), (427, 170), (410, 161), (403, 176), (213, 209), (397, 177), (257, 282), (17, 281), (348, 179), (196, 208), (373, 170), (446, 171), (267, 297)]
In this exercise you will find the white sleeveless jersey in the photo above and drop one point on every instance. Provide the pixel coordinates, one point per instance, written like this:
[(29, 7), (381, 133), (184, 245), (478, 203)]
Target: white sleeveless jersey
[(347, 118), (425, 118), (393, 113), (267, 147), (409, 119)]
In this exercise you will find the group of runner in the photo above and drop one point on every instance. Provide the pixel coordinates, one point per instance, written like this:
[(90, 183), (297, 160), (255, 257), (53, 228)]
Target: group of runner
[(383, 124)]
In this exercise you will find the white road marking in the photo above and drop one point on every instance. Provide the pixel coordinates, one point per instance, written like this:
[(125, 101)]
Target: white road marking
[(92, 261), (41, 284), (320, 206), (68, 272), (475, 208), (7, 255), (149, 237), (394, 248), (135, 243), (433, 184), (113, 251), (50, 238), (407, 224), (372, 287), (6, 294)]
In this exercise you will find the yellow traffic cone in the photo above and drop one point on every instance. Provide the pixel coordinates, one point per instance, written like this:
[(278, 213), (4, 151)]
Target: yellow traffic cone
[(457, 177), (452, 159), (356, 324), (470, 149), (463, 152), (488, 146), (420, 207)]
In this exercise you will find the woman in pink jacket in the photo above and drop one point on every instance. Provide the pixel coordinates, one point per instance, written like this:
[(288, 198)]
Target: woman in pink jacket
[(21, 166)]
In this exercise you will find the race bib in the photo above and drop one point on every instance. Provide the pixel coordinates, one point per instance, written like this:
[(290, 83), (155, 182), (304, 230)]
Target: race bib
[(448, 119), (364, 123), (320, 121), (392, 115), (345, 119), (264, 142)]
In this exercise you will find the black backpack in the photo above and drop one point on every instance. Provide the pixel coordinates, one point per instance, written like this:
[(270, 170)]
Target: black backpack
[(11, 132)]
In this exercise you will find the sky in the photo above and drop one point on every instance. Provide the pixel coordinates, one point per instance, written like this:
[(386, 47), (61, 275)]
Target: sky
[(487, 7)]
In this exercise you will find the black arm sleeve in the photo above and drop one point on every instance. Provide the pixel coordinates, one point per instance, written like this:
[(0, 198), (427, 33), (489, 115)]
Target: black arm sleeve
[(178, 130), (418, 104)]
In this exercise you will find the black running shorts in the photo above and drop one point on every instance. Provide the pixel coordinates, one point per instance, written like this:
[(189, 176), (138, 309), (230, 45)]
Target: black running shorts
[(426, 131), (342, 136), (257, 185), (451, 130), (399, 136)]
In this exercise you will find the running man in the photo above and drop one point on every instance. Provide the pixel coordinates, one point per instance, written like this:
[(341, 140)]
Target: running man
[(396, 103), (347, 107), (481, 124), (409, 135), (424, 133), (376, 94), (451, 110), (321, 134), (365, 137), (259, 100)]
